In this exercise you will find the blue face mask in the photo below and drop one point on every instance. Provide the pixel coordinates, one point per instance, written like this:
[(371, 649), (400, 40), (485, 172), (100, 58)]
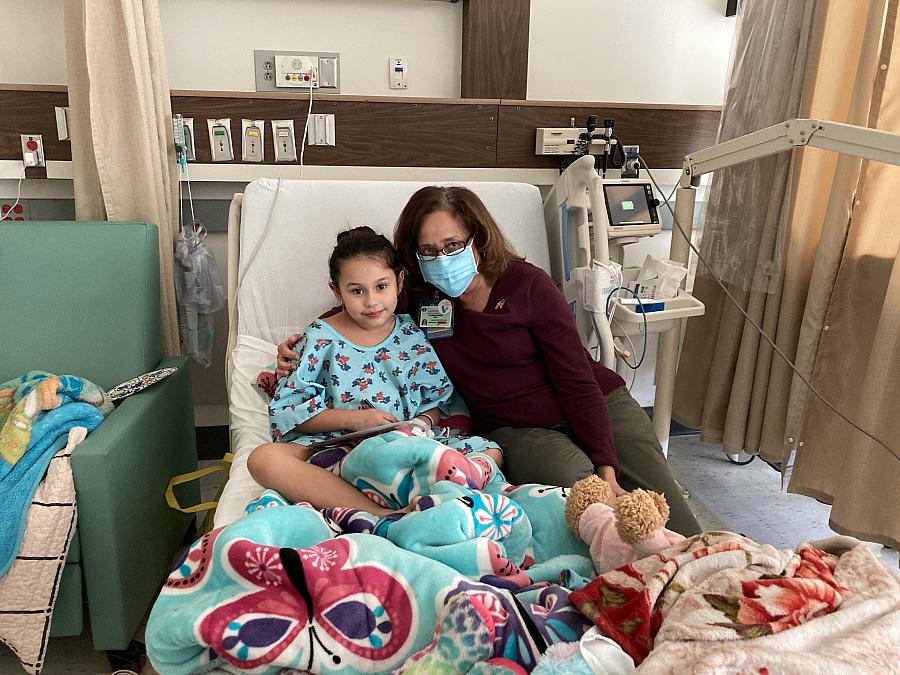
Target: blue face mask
[(452, 274)]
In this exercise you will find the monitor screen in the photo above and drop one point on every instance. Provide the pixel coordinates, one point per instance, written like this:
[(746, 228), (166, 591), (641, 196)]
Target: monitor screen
[(629, 204)]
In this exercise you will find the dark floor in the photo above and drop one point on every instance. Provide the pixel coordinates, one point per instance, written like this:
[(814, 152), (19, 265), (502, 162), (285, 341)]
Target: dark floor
[(212, 442)]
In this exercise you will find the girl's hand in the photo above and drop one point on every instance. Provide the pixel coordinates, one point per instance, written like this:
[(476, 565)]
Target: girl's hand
[(371, 417), (287, 358), (608, 474)]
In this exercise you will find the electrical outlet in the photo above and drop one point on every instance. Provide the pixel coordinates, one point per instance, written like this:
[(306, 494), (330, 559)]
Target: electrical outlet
[(17, 212), (274, 70), (32, 150)]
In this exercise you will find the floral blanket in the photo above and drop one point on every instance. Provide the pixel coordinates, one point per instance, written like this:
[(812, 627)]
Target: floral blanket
[(459, 584), (719, 602)]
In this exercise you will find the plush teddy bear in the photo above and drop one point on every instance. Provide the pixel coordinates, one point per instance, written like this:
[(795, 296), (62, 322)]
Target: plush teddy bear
[(618, 530)]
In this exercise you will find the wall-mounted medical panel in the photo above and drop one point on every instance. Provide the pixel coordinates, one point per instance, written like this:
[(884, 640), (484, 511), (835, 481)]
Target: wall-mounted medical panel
[(369, 132), (665, 133), (383, 131)]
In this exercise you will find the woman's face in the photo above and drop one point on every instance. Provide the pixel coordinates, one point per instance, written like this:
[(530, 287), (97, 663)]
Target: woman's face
[(439, 229)]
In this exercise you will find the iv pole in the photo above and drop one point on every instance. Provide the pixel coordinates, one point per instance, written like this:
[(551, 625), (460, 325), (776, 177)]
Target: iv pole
[(872, 144)]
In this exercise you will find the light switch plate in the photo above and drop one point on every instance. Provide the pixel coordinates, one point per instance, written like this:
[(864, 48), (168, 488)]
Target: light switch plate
[(62, 123), (328, 65), (399, 77), (321, 130)]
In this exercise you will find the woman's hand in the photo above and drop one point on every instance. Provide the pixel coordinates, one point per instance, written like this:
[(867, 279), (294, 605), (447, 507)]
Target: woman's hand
[(287, 358), (371, 417), (608, 474)]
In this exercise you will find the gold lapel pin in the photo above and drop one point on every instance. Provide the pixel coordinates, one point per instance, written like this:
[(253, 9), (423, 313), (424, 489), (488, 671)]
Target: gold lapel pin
[(500, 303)]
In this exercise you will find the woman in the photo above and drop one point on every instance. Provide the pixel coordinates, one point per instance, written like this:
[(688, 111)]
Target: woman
[(516, 359)]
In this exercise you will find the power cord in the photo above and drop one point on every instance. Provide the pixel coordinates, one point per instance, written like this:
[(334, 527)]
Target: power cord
[(306, 126), (759, 329), (643, 315)]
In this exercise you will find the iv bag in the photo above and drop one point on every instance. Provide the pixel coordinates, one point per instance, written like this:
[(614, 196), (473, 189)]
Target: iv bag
[(200, 293)]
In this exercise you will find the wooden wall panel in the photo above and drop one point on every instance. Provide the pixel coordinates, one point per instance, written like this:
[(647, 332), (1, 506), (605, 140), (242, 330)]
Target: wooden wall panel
[(381, 131), (367, 133), (495, 49), (31, 112), (665, 134)]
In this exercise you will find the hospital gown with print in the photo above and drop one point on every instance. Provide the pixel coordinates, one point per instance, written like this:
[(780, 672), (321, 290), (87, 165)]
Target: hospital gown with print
[(402, 375)]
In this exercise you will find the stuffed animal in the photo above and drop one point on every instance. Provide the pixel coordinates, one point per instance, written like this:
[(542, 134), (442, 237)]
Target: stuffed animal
[(619, 530)]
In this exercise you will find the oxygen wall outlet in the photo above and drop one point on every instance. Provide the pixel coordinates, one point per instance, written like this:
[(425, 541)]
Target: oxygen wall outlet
[(32, 150), (220, 139), (253, 134), (283, 139), (190, 151)]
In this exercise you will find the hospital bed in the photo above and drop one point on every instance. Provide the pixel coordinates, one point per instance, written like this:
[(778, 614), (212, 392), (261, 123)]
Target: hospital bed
[(280, 234)]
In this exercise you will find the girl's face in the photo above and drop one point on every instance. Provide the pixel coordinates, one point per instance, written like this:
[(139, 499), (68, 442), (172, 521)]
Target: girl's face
[(368, 290)]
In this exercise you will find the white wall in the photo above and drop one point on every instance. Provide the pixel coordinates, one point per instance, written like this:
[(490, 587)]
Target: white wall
[(647, 51), (32, 42), (210, 43)]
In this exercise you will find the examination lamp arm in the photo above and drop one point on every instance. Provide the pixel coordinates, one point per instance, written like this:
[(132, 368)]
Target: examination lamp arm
[(881, 146)]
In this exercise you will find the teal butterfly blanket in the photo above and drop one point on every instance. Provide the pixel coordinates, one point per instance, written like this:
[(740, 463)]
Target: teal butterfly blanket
[(460, 583)]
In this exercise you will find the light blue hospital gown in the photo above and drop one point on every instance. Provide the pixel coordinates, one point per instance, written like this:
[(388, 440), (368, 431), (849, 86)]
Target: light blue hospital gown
[(402, 376)]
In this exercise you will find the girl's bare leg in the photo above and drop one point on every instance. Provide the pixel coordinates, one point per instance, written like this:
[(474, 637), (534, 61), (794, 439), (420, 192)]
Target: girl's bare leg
[(283, 467)]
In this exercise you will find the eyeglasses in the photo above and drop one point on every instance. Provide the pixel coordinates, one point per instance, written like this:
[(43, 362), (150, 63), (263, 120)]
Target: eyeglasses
[(451, 248)]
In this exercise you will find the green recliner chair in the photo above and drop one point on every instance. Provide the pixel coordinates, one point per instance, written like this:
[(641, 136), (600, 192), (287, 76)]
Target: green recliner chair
[(82, 298)]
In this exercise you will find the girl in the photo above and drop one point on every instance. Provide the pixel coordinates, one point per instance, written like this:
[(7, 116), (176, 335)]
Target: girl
[(359, 368)]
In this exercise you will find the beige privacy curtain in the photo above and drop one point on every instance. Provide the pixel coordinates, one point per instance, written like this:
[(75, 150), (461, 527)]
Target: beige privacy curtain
[(836, 308), (121, 127)]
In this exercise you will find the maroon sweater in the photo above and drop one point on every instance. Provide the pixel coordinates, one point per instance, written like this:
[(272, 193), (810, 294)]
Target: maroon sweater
[(520, 363)]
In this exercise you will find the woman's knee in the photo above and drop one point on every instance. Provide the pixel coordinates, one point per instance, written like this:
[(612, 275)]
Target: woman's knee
[(541, 456)]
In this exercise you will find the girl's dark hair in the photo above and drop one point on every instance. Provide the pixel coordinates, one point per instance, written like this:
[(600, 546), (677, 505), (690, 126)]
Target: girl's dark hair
[(494, 249), (362, 242)]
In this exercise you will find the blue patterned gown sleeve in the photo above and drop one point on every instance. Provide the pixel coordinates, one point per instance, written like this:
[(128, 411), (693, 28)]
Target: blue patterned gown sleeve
[(302, 395)]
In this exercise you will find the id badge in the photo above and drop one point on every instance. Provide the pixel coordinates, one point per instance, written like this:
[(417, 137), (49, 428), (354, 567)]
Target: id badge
[(436, 318)]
